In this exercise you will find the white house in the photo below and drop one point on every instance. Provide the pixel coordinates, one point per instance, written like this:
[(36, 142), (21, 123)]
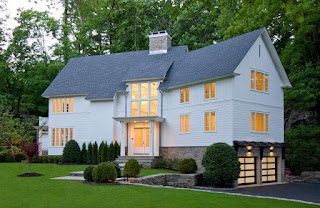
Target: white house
[(171, 103)]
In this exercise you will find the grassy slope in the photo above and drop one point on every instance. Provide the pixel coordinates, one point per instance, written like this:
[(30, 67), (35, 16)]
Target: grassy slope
[(43, 192)]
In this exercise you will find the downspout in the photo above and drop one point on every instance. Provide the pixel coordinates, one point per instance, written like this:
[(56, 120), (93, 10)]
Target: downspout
[(161, 113)]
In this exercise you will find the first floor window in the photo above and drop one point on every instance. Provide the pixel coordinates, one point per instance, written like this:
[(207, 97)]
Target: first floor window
[(60, 136), (210, 121), (259, 122), (184, 123)]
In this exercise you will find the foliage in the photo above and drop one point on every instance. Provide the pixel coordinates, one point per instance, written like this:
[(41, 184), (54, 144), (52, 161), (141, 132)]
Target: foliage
[(83, 153), (222, 166), (106, 149), (116, 149), (31, 150), (187, 166), (89, 153), (304, 151), (104, 172), (171, 164), (111, 152), (101, 153), (132, 168), (87, 174), (95, 153), (117, 167), (71, 152)]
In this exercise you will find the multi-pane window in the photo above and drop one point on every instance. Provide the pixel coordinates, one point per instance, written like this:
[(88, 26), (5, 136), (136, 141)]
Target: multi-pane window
[(184, 95), (60, 136), (210, 121), (210, 90), (62, 105), (259, 81), (144, 99), (184, 124), (259, 122)]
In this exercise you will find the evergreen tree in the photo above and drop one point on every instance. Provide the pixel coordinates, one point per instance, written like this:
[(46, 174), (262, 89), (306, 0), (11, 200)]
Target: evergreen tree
[(106, 148), (95, 153), (101, 157), (89, 153), (116, 149), (84, 153), (110, 156)]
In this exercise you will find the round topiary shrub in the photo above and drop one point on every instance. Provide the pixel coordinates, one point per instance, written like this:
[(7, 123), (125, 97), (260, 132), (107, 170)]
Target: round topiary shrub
[(132, 168), (104, 172), (222, 166), (87, 174), (188, 165), (117, 167), (71, 152)]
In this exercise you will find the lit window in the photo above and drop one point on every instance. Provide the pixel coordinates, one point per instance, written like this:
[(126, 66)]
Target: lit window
[(153, 108), (67, 136), (53, 105), (58, 138), (62, 137), (143, 108), (53, 136), (210, 90), (210, 121), (134, 109), (67, 105), (259, 122), (184, 123), (184, 95), (71, 105), (134, 91), (62, 104), (144, 90), (58, 105), (71, 134), (153, 90), (259, 81)]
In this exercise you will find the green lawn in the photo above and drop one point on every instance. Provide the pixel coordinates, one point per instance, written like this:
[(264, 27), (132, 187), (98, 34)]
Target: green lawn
[(43, 192)]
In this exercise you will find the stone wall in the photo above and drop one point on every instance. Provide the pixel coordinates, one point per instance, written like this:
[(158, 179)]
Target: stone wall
[(184, 152), (310, 176)]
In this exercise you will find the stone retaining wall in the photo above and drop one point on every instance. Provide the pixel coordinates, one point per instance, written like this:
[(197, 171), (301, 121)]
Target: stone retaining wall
[(310, 176)]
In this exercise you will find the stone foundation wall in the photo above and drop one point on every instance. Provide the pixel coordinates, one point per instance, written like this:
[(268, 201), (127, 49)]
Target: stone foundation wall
[(184, 152)]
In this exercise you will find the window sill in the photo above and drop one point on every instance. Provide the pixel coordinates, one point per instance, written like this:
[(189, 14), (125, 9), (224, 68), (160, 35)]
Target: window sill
[(183, 133), (210, 99), (185, 103), (259, 132), (253, 90), (210, 131)]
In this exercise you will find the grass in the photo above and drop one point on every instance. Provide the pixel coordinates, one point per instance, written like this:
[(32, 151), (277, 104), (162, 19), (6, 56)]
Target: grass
[(147, 171), (44, 192)]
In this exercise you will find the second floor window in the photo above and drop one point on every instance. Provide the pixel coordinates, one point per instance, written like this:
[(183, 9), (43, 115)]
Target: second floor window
[(184, 95), (144, 99), (62, 105), (210, 121), (259, 81), (210, 90), (184, 124), (259, 122), (60, 136)]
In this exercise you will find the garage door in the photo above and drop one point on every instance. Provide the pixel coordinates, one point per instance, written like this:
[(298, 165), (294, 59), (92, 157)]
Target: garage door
[(269, 169), (247, 170)]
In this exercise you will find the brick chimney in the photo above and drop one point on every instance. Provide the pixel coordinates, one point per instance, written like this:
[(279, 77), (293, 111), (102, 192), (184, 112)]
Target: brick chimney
[(159, 42)]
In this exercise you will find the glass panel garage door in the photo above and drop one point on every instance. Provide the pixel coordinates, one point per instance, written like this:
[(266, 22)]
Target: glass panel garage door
[(247, 170), (269, 169)]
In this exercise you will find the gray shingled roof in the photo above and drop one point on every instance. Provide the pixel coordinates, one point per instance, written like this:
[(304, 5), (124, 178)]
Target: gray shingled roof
[(100, 77), (210, 61)]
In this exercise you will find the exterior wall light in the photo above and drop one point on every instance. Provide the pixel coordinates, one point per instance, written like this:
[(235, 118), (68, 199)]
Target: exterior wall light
[(271, 151), (249, 153)]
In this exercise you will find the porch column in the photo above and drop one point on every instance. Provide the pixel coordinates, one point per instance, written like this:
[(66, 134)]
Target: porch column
[(151, 146), (123, 143)]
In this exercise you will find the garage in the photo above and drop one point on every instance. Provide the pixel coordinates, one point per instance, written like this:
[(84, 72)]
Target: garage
[(269, 169), (247, 170)]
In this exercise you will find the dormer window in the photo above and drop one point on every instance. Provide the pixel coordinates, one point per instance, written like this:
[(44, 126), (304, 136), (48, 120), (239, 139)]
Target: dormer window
[(144, 99)]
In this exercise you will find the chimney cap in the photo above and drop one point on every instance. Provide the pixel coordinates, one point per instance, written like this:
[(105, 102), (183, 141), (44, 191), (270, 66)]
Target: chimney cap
[(159, 33)]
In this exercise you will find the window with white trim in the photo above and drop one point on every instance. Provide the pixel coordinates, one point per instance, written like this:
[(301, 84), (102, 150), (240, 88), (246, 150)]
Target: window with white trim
[(210, 90), (210, 121), (60, 136), (259, 81), (259, 122), (62, 105), (184, 124), (144, 99), (184, 95)]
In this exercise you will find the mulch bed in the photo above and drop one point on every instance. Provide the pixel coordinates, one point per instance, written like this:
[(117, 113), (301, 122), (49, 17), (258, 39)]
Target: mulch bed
[(30, 175)]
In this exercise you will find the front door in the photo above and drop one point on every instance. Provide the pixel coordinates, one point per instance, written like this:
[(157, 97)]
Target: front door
[(141, 141)]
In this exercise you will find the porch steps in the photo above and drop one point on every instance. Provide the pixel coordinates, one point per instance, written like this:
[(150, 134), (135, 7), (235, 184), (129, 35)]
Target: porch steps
[(144, 161)]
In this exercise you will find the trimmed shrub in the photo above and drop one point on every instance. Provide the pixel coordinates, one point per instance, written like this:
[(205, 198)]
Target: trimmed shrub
[(43, 159), (89, 153), (101, 157), (20, 157), (57, 158), (187, 166), (222, 166), (83, 155), (2, 157), (132, 168), (71, 152), (104, 172), (87, 174), (110, 156), (117, 167), (95, 153)]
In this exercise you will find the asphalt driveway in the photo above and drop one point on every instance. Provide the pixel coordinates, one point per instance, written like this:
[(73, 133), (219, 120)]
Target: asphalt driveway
[(297, 191)]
